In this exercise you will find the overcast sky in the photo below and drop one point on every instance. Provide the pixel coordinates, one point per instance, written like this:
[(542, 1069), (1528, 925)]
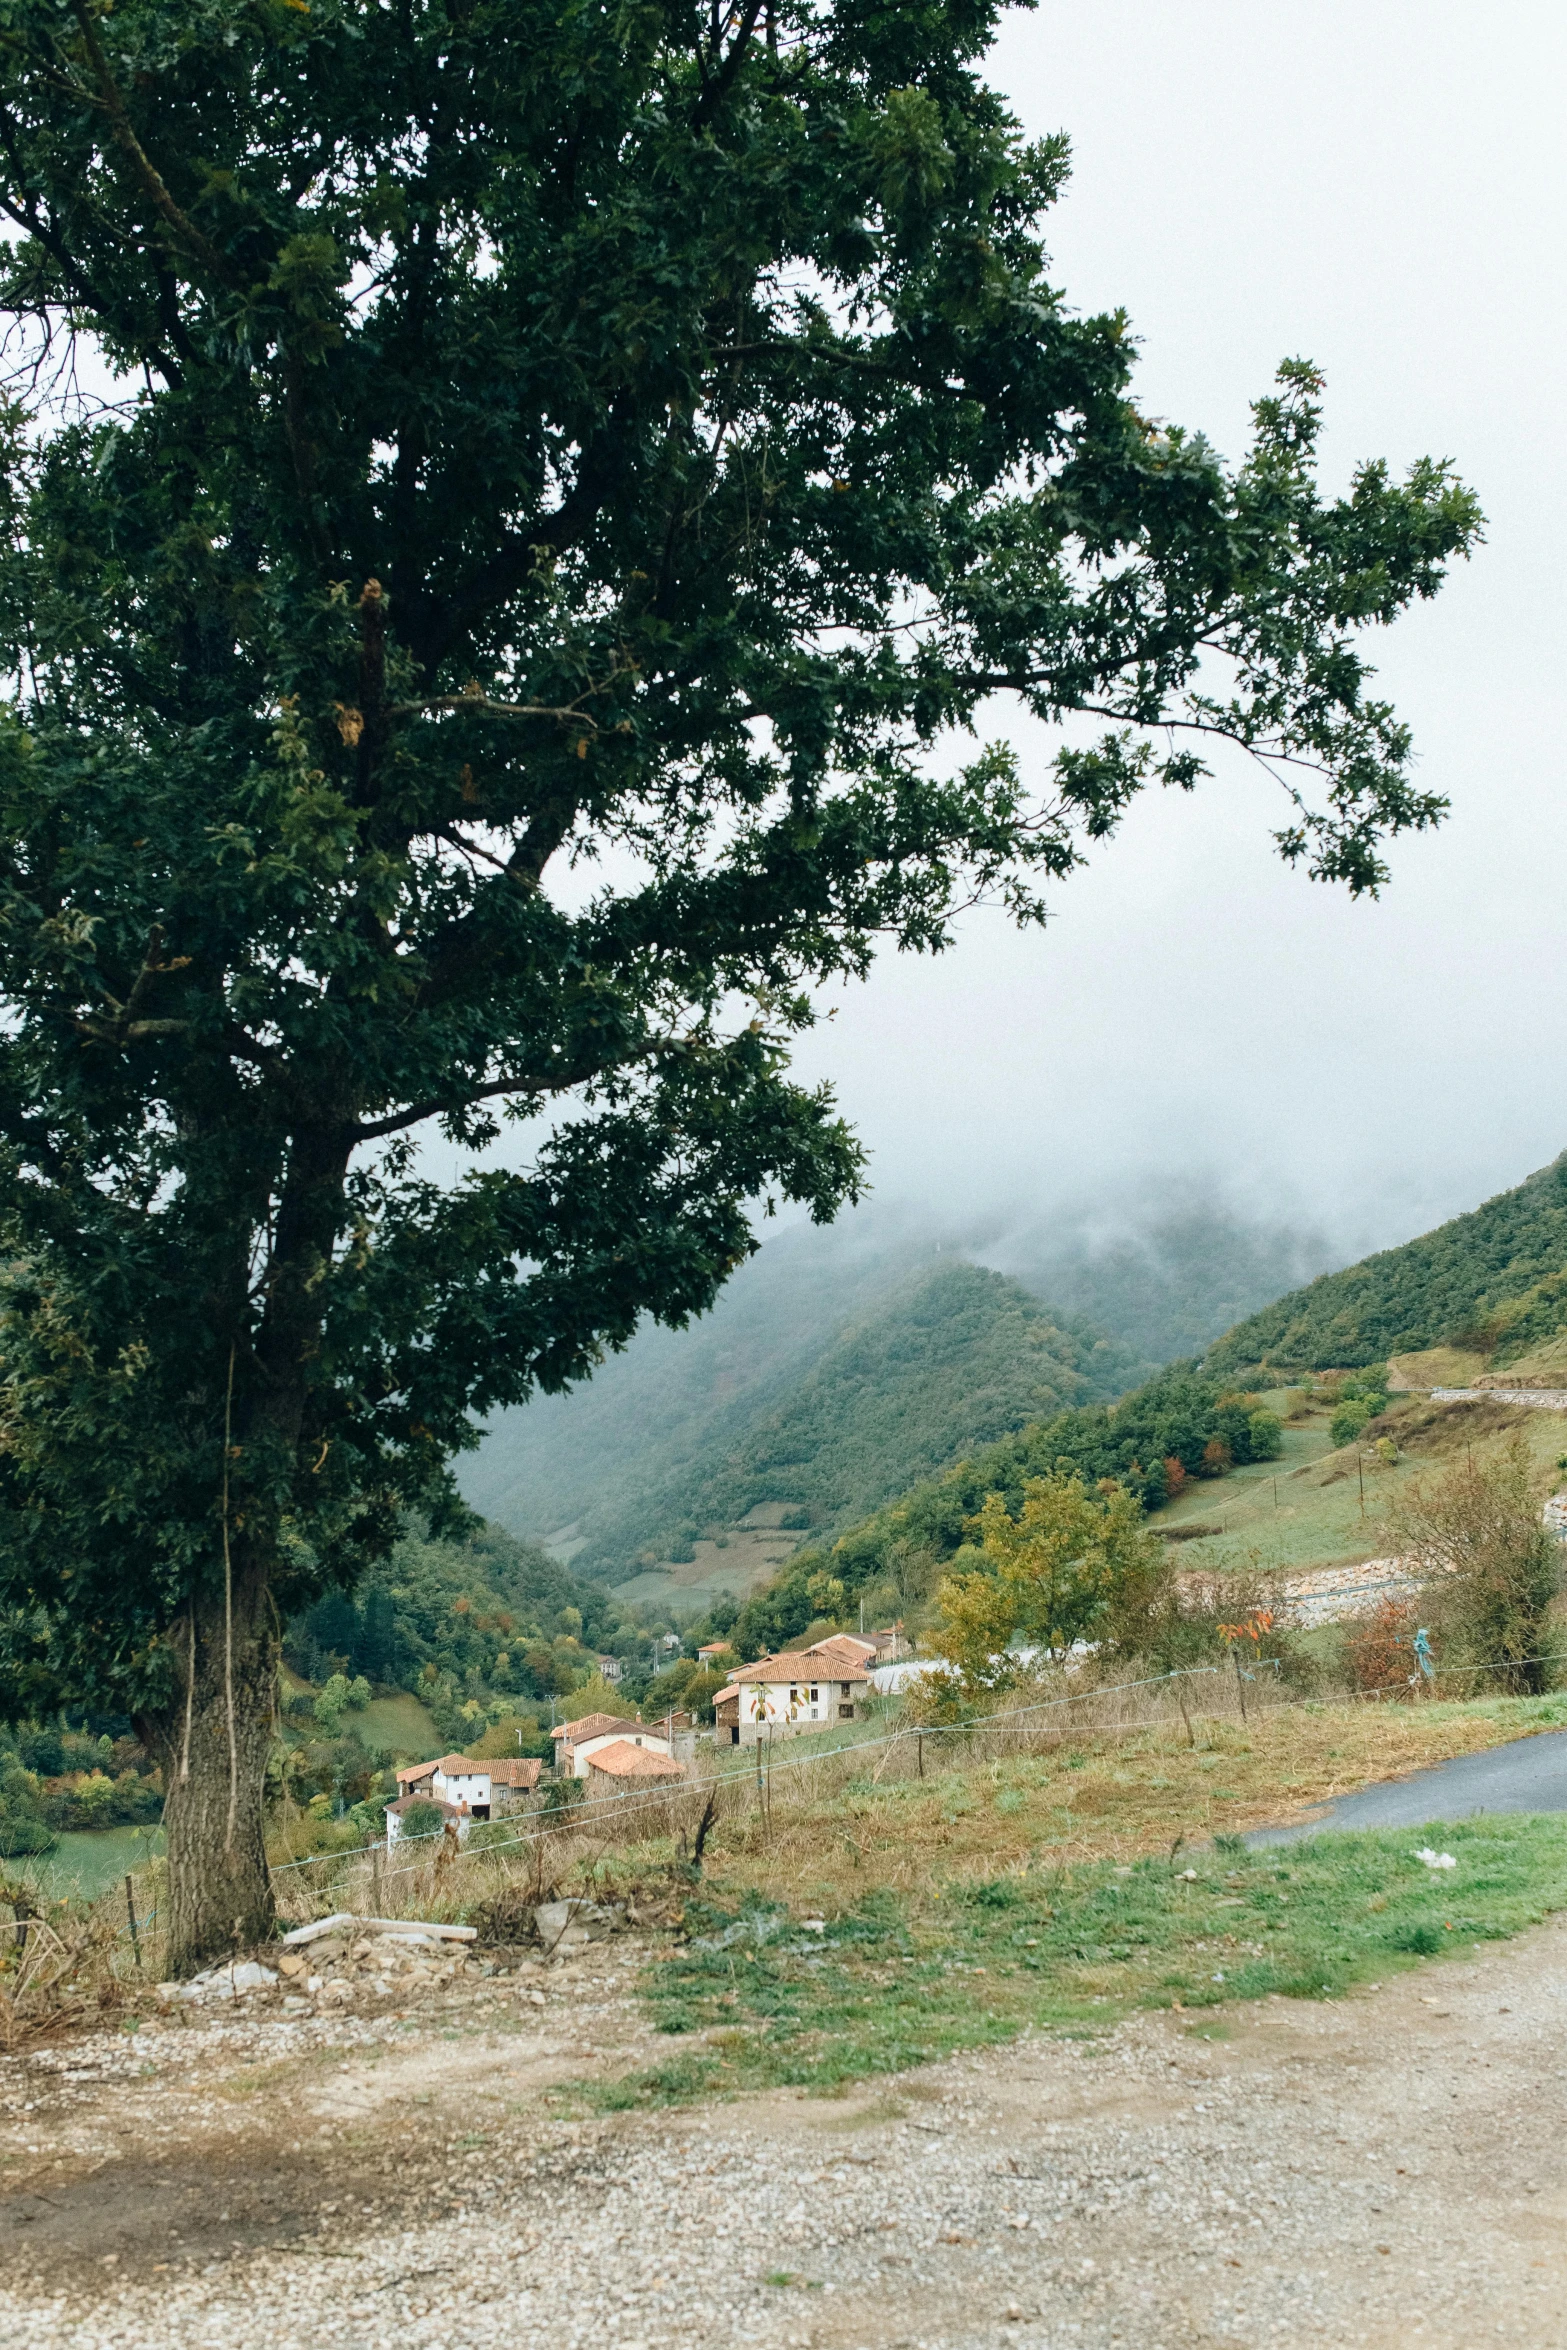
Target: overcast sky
[(1379, 187)]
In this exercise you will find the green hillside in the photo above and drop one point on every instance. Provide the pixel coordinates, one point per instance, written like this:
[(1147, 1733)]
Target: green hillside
[(1494, 1282), (890, 1556), (770, 1400), (563, 1467), (954, 1359)]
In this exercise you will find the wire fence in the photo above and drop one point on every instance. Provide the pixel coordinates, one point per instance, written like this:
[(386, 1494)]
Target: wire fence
[(608, 1816)]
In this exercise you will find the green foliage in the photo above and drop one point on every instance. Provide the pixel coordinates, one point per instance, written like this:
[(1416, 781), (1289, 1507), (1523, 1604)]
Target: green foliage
[(423, 1819), (629, 434), (1264, 1435), (458, 1619), (626, 1460), (23, 1828), (1061, 1570), (1349, 1418), (1491, 1569), (1491, 1278), (1174, 1417), (686, 1686), (954, 1358)]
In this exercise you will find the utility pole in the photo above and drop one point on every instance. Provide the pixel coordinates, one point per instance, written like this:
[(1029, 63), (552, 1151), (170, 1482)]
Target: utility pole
[(1360, 1463)]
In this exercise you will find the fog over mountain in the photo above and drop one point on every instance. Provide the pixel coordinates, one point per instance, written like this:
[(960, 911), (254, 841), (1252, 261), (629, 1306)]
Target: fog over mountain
[(681, 1428), (1208, 1080)]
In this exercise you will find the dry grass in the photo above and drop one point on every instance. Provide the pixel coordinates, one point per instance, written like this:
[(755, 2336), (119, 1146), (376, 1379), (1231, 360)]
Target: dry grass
[(62, 1972), (928, 1807), (1119, 1776), (1100, 1795)]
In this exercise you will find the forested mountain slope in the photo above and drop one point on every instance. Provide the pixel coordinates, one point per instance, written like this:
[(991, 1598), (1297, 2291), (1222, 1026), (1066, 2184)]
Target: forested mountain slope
[(676, 1399), (956, 1357), (777, 1394), (1494, 1280), (1177, 1427)]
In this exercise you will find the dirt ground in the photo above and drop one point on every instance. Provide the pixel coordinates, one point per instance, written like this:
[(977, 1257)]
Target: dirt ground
[(1385, 2170)]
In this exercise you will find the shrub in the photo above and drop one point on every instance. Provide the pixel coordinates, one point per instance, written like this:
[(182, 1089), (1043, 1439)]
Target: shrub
[(1491, 1568), (1349, 1418), (23, 1828), (1379, 1650), (424, 1819), (1265, 1432)]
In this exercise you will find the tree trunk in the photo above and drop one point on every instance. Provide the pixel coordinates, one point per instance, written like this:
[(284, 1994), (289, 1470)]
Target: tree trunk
[(212, 1744)]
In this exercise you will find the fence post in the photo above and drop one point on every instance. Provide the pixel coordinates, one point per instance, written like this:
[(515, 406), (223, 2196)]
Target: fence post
[(130, 1919), (1240, 1680), (921, 1744), (1180, 1699)]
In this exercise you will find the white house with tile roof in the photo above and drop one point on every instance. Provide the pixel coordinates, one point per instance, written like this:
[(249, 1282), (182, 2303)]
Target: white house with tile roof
[(805, 1689), (576, 1743)]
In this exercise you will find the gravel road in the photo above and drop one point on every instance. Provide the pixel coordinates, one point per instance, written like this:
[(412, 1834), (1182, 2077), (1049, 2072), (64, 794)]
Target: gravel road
[(1530, 1774), (1386, 2170)]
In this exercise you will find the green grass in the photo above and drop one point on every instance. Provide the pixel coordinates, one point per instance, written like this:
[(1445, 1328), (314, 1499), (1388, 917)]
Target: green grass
[(1305, 1510), (88, 1862), (1071, 1949), (399, 1724)]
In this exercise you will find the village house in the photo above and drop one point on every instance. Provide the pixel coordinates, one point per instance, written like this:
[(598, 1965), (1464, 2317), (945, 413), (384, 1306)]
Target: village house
[(454, 1820), (476, 1790), (576, 1743), (610, 1669), (804, 1689), (619, 1765)]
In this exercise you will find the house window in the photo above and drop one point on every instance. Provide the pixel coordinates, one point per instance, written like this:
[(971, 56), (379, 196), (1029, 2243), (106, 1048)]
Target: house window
[(815, 1696)]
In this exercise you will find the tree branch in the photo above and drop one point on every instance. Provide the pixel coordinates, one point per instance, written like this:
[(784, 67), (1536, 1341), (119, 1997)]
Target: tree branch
[(197, 245)]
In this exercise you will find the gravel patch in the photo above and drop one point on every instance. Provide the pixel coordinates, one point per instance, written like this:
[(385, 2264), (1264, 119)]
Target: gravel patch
[(1382, 2170)]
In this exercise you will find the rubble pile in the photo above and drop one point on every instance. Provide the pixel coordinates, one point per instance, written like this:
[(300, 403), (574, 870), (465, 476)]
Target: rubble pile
[(344, 1962)]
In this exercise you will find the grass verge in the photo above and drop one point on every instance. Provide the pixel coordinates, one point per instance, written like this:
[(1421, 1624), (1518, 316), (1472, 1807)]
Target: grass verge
[(760, 1999)]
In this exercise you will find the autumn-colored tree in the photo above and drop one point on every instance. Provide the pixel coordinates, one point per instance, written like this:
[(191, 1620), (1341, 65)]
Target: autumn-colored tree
[(1072, 1565)]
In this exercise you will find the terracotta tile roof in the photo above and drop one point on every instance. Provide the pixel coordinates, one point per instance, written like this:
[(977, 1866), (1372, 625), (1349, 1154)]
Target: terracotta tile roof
[(801, 1666), (622, 1760), (845, 1647), (594, 1726), (462, 1766), (409, 1802)]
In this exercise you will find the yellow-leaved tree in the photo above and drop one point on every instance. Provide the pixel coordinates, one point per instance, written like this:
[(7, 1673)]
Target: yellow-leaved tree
[(1074, 1564)]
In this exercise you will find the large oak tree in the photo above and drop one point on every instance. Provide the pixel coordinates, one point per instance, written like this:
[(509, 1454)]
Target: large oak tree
[(450, 442)]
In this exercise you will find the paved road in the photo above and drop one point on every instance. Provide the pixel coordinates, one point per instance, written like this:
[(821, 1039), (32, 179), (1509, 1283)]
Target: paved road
[(1528, 1775)]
